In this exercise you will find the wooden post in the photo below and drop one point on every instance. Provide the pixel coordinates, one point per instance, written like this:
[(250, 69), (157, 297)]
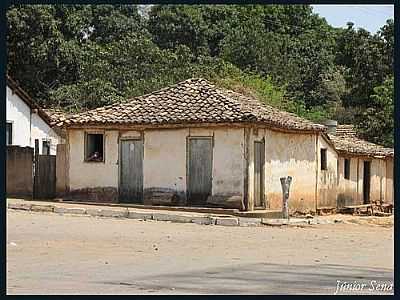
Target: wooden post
[(35, 163), (285, 183)]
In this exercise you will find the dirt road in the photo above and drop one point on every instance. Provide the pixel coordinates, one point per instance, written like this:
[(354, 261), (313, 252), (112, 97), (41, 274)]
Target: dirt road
[(60, 254)]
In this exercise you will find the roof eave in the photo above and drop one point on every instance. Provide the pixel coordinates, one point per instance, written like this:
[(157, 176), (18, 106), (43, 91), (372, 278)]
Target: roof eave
[(76, 125)]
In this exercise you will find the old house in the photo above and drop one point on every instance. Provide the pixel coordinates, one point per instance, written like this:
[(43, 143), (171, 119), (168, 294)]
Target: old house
[(365, 170), (194, 144), (27, 122)]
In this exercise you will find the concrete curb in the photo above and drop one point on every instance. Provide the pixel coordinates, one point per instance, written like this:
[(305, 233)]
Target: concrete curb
[(128, 213), (131, 213)]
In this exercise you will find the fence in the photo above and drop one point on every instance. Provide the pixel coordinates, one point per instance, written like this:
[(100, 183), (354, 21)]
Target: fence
[(19, 169), (35, 176)]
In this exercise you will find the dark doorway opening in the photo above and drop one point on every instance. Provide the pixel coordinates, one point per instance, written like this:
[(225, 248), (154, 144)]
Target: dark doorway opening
[(367, 182)]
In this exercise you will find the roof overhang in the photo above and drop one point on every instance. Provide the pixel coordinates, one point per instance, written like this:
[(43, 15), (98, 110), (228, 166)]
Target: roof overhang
[(13, 85), (122, 126)]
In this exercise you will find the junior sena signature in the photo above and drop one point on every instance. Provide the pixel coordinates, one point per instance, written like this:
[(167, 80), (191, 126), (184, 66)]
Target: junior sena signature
[(355, 286)]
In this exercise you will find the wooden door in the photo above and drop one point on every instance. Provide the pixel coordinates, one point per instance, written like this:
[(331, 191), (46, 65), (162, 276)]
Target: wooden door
[(367, 182), (259, 148), (131, 171), (45, 177), (199, 168)]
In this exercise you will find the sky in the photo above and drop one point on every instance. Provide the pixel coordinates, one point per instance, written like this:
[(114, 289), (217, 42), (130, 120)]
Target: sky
[(369, 17)]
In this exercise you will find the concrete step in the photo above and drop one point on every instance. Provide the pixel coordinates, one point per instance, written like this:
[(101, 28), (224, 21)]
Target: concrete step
[(273, 214)]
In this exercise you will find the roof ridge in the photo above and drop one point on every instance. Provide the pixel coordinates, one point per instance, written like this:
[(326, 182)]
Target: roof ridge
[(131, 99)]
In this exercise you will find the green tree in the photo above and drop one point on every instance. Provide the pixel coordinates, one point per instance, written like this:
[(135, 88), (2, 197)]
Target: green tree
[(368, 60), (377, 123)]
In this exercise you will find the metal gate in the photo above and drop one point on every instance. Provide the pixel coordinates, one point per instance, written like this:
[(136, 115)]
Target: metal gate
[(44, 177), (131, 171), (199, 162)]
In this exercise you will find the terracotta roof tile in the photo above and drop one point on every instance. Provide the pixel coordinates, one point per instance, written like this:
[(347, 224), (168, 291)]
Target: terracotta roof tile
[(346, 141), (345, 130), (56, 115), (192, 101)]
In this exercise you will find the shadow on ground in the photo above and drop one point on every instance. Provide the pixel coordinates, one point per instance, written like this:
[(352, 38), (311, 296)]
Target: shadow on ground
[(261, 278)]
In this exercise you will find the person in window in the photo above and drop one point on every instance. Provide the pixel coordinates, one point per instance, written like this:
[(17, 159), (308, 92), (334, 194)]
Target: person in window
[(95, 156)]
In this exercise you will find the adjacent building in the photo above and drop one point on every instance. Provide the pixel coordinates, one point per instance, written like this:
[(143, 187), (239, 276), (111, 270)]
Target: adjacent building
[(27, 122), (365, 170)]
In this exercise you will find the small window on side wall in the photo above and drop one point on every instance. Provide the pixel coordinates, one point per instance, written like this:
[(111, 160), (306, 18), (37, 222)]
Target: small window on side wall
[(46, 147), (94, 147), (9, 140), (324, 165), (346, 168)]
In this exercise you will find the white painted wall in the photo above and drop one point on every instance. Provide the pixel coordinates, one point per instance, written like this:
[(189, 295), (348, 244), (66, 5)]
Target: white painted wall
[(26, 126), (42, 131), (18, 113)]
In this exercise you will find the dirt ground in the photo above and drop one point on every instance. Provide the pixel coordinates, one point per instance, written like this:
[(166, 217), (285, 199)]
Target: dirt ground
[(60, 254)]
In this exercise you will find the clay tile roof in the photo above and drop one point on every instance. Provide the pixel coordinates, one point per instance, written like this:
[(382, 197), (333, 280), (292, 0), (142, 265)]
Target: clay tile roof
[(192, 101), (56, 115), (347, 142), (345, 130)]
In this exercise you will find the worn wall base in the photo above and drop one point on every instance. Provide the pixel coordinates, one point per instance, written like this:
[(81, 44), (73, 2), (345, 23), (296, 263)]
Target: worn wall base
[(98, 194), (226, 201), (297, 202), (345, 199), (153, 196), (164, 196)]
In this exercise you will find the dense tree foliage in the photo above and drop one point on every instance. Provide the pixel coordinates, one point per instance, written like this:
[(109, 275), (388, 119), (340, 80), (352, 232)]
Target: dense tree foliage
[(377, 124), (84, 56)]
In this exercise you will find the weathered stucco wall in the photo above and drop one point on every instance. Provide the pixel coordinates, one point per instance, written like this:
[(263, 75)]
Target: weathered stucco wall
[(19, 177), (389, 181), (378, 179), (286, 154), (96, 181), (351, 190), (228, 167), (327, 179), (289, 154), (348, 188), (164, 165), (165, 162)]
